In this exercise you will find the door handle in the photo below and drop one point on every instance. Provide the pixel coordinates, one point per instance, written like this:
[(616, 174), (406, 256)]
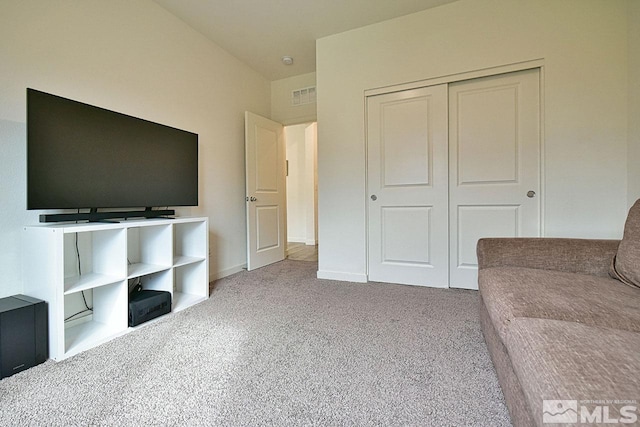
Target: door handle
[(374, 197), (253, 199), (531, 194)]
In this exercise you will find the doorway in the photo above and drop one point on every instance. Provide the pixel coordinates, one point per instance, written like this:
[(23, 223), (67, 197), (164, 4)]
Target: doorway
[(270, 168), (302, 191)]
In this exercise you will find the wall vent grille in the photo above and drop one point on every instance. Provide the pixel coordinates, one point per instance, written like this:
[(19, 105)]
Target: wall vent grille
[(303, 96)]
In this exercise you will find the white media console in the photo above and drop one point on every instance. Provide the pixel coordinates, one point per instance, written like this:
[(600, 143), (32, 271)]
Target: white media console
[(66, 264)]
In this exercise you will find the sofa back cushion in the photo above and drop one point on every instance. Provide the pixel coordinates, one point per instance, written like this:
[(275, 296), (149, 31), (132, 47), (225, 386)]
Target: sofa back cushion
[(626, 264)]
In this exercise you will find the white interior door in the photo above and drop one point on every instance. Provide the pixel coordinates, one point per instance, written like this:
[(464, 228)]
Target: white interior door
[(407, 186), (494, 161), (266, 193)]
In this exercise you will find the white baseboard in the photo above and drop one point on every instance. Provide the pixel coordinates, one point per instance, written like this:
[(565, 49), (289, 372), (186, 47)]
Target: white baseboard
[(342, 276), (227, 272), (470, 286), (309, 242)]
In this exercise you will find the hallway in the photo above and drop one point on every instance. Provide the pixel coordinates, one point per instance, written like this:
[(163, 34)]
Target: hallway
[(301, 252)]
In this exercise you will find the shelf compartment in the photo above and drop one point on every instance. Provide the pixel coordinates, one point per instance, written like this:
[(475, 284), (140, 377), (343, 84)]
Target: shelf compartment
[(187, 287), (101, 258), (190, 240), (87, 335), (182, 301), (108, 317), (160, 281), (149, 245)]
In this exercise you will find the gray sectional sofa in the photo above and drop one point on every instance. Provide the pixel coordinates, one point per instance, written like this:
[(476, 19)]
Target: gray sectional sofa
[(561, 318)]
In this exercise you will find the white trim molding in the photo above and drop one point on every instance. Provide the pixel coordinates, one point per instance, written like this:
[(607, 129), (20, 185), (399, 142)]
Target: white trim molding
[(342, 276)]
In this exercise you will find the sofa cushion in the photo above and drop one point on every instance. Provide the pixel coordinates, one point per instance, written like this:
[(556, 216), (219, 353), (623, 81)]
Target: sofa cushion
[(557, 360), (510, 292), (582, 256), (626, 264)]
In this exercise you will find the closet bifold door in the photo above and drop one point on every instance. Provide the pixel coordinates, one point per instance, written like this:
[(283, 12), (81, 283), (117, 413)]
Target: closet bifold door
[(494, 164), (407, 185)]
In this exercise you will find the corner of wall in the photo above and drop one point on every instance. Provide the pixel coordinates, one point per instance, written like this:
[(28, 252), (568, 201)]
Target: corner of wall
[(633, 157)]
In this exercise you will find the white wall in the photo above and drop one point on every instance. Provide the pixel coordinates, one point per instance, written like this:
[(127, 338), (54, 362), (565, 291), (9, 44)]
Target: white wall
[(281, 109), (633, 160), (311, 181), (301, 204), (583, 44), (135, 58), (296, 214)]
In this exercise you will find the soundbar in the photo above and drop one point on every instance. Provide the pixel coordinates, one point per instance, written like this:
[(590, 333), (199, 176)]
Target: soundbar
[(95, 216)]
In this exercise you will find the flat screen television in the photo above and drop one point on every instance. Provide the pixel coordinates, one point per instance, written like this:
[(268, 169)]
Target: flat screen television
[(80, 156)]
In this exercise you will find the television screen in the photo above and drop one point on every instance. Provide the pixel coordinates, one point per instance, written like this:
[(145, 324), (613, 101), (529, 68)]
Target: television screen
[(82, 156)]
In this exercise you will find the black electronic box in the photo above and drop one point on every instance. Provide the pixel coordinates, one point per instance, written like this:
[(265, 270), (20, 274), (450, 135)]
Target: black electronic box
[(145, 305)]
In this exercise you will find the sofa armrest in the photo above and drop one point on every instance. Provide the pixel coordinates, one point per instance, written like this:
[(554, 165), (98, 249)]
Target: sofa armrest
[(586, 256)]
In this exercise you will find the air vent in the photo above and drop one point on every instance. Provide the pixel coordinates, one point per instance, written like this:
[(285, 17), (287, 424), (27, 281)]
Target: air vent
[(303, 96)]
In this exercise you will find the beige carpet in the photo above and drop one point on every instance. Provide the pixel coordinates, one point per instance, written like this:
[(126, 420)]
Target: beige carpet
[(278, 347)]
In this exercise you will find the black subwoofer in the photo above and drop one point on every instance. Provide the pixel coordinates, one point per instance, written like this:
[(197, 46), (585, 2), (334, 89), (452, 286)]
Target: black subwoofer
[(23, 334)]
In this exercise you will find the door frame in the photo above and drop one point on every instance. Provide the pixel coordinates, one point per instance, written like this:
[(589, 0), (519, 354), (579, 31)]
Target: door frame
[(452, 78)]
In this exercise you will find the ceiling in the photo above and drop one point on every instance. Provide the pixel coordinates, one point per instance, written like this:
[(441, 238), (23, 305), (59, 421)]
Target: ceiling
[(261, 32)]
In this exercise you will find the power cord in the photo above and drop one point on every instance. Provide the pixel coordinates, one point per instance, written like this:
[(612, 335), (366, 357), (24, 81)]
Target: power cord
[(84, 298), (76, 314), (134, 284)]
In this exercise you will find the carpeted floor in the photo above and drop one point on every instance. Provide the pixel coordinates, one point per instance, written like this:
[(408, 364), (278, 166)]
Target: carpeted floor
[(278, 347)]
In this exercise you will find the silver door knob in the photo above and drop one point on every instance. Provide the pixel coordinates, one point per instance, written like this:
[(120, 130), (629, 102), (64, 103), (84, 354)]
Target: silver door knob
[(374, 197), (531, 194), (253, 199)]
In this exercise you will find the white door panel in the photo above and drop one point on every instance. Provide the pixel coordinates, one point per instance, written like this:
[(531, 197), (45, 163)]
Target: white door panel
[(448, 165), (496, 221), (407, 185), (494, 161), (266, 193)]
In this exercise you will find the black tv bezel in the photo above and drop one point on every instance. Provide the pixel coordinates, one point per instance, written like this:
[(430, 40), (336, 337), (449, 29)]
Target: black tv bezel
[(93, 213)]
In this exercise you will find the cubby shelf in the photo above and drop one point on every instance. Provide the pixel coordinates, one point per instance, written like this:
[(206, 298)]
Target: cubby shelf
[(88, 334), (87, 281), (140, 269), (182, 301), (185, 260), (72, 266)]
